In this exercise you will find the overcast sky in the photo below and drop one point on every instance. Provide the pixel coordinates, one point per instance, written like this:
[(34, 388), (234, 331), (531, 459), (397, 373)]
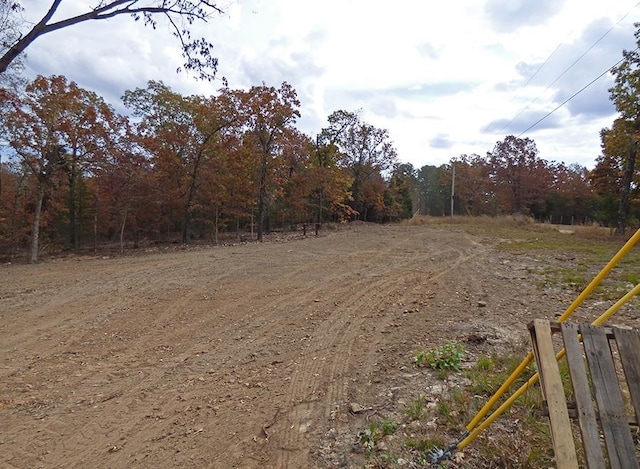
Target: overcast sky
[(445, 78)]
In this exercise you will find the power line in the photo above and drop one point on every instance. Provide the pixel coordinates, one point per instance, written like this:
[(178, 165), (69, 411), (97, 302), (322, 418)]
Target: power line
[(574, 95), (531, 78), (592, 46), (567, 69)]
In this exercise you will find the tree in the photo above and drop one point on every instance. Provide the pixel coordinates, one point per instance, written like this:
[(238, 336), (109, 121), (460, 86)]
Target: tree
[(55, 129), (329, 184), (179, 133), (268, 114), (86, 134), (570, 198), (124, 187), (473, 192), (519, 177), (180, 15), (433, 193), (366, 153), (625, 94), (399, 195), (14, 196), (9, 34), (611, 176)]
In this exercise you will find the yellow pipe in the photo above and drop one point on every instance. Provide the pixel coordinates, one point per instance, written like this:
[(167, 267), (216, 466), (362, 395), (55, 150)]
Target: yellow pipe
[(598, 278), (506, 404), (498, 394), (611, 311), (570, 310)]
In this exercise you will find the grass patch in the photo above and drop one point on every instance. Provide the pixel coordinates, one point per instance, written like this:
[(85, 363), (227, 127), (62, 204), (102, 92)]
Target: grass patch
[(567, 261), (415, 409), (519, 438), (370, 437)]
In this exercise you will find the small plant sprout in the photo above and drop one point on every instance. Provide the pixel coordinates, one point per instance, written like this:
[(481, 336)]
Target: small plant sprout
[(370, 436)]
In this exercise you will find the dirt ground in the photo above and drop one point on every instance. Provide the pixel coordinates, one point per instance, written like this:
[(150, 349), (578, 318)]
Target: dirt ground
[(246, 356)]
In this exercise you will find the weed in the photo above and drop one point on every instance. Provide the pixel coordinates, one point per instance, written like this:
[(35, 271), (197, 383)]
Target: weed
[(423, 445), (382, 460), (446, 357), (631, 277), (414, 410), (387, 426), (446, 412), (370, 436), (484, 363)]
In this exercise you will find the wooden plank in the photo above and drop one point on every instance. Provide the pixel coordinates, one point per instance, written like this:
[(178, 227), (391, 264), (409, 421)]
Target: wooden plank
[(629, 348), (586, 413), (616, 431), (561, 434)]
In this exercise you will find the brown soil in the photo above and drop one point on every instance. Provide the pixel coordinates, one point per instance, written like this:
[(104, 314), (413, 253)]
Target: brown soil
[(251, 356)]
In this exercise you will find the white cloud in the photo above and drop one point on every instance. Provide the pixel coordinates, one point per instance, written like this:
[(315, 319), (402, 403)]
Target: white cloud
[(444, 78)]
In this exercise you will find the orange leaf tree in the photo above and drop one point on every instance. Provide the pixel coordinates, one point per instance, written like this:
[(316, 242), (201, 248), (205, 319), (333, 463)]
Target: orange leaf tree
[(268, 115), (180, 134), (58, 130), (366, 153)]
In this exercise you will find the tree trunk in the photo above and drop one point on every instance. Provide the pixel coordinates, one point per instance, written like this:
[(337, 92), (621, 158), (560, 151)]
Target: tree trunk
[(216, 224), (124, 221), (95, 229), (262, 195), (73, 208), (35, 231), (623, 206)]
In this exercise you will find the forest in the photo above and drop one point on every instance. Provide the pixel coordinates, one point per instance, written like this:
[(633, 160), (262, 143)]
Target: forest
[(76, 174)]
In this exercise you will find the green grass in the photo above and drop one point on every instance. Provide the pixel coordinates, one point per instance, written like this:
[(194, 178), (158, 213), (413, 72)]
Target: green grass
[(376, 431), (522, 433), (415, 409), (445, 357)]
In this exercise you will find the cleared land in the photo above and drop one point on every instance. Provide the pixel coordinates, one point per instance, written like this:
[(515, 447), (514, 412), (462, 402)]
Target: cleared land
[(248, 356)]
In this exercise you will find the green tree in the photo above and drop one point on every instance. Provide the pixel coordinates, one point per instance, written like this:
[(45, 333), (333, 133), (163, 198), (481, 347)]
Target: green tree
[(433, 193), (401, 187), (625, 94)]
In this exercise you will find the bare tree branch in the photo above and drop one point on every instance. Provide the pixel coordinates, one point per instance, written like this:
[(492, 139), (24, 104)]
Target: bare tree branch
[(197, 53)]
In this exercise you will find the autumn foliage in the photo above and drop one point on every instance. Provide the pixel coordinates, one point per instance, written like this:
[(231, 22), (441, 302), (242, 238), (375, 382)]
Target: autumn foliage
[(179, 169)]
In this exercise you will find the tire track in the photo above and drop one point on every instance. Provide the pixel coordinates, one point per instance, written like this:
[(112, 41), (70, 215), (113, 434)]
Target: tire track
[(339, 331)]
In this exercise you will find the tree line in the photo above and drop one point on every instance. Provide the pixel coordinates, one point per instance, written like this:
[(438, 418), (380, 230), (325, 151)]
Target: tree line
[(182, 167), (510, 179)]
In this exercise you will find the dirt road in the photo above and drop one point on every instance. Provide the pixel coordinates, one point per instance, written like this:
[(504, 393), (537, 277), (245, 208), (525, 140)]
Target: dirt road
[(245, 356)]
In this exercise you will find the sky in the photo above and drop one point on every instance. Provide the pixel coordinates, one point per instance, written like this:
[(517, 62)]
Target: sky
[(444, 78)]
